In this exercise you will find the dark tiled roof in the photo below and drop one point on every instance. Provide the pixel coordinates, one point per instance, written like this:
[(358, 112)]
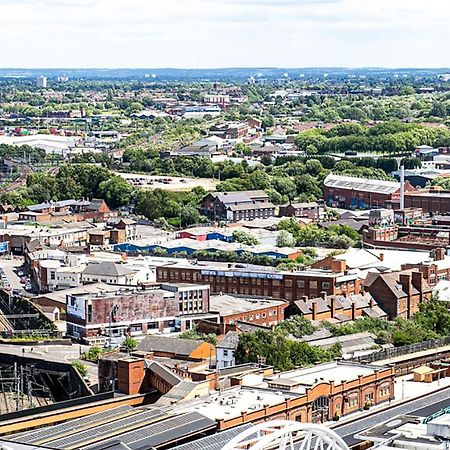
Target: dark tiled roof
[(177, 346)]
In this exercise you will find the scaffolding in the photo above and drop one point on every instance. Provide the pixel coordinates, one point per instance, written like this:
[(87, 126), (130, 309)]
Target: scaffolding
[(22, 387)]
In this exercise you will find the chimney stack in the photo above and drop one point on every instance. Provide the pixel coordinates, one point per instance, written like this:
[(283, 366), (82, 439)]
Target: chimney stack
[(353, 310), (417, 280), (314, 311), (405, 281), (439, 254), (381, 257), (323, 294), (333, 306), (371, 302)]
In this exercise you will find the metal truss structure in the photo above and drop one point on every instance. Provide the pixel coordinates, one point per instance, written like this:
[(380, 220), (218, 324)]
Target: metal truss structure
[(287, 435)]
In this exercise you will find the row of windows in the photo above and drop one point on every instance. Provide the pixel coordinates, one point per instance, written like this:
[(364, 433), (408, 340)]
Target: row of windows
[(256, 316), (288, 283), (190, 307)]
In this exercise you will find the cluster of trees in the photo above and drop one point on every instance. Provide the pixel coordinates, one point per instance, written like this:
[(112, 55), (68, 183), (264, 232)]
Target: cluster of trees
[(389, 137), (334, 236), (72, 181), (280, 351), (170, 208)]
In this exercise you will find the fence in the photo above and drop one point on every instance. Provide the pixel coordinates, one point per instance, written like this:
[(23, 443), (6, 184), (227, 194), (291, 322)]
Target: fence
[(404, 350)]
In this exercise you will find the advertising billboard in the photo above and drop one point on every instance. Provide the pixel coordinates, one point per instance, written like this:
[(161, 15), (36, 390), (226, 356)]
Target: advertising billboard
[(76, 306)]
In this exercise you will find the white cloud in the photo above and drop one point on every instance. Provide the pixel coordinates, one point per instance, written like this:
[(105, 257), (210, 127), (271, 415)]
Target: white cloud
[(223, 33)]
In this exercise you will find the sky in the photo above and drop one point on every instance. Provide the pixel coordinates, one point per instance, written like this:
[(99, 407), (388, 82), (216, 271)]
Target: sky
[(224, 33)]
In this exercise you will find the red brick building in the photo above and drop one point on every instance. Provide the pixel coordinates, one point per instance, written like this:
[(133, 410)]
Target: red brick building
[(136, 312), (435, 270), (398, 293), (360, 193), (255, 310), (309, 210), (262, 281)]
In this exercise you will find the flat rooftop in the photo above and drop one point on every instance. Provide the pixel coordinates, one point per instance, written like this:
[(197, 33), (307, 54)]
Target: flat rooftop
[(233, 402), (227, 304), (237, 269), (333, 371)]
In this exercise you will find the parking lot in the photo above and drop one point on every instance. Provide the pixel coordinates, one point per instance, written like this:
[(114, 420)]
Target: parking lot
[(168, 183), (11, 274)]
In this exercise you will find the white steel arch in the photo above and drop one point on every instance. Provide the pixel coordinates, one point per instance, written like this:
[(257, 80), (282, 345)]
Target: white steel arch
[(282, 434)]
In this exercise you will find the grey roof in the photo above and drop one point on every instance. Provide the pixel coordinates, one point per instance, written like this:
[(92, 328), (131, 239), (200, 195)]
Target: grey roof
[(350, 343), (226, 304), (240, 196), (95, 203), (177, 394), (165, 373), (230, 340), (361, 184), (215, 441), (107, 269), (177, 346), (300, 205), (249, 206)]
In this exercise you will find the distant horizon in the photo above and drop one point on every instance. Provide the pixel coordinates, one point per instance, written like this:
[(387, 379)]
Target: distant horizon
[(237, 67)]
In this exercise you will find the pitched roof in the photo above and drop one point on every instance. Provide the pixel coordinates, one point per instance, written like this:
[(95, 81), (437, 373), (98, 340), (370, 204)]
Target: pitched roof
[(111, 269), (165, 373), (177, 346), (361, 184), (230, 340)]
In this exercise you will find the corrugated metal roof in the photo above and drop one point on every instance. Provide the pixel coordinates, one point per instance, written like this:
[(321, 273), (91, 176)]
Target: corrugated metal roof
[(361, 184)]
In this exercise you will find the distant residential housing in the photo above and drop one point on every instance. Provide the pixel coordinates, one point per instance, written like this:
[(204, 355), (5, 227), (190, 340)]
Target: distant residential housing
[(309, 210)]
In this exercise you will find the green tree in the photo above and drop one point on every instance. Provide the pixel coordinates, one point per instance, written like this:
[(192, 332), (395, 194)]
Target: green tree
[(285, 239), (244, 238), (81, 368), (129, 344), (116, 191)]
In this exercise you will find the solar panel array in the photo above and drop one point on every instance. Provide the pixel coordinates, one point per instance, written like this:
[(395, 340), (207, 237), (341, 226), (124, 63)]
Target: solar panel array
[(171, 429), (46, 434), (106, 430)]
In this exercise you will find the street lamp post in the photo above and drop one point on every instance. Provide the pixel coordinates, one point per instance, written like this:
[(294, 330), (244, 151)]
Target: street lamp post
[(113, 311)]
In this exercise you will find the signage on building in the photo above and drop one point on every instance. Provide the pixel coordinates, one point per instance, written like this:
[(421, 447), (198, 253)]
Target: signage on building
[(219, 273), (4, 247), (76, 306)]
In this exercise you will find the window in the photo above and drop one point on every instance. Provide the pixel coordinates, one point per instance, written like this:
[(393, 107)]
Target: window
[(325, 285), (300, 283), (225, 353), (263, 315), (52, 275), (251, 318), (313, 284), (288, 283), (257, 316)]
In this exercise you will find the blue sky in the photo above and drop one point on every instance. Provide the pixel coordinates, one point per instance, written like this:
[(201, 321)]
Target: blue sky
[(224, 33)]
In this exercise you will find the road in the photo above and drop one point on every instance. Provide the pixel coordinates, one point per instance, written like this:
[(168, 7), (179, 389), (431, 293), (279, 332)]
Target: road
[(423, 406), (8, 265)]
